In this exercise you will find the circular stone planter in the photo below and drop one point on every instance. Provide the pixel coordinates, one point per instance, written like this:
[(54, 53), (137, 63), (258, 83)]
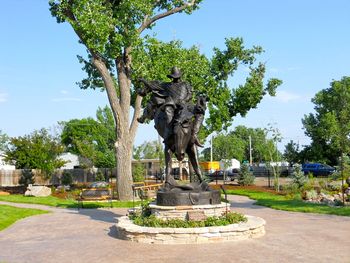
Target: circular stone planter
[(253, 228)]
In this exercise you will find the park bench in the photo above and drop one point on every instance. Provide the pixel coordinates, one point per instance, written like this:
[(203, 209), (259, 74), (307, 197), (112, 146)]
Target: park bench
[(145, 189), (95, 194)]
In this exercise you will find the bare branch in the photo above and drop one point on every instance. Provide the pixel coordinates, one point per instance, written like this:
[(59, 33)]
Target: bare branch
[(147, 22)]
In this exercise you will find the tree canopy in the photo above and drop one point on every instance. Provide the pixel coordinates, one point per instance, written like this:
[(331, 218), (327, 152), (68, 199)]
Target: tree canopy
[(235, 144), (92, 139), (120, 51), (38, 150), (4, 139), (329, 126), (148, 150)]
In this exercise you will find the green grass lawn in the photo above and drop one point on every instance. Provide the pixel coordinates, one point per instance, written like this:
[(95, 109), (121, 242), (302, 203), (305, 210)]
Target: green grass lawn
[(64, 203), (281, 202), (10, 214)]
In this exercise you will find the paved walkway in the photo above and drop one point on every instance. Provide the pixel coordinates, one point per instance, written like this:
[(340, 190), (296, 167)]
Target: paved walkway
[(88, 235)]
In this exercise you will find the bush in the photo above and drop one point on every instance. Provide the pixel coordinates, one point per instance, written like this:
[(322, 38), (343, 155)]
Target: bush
[(245, 177), (298, 177), (67, 178), (100, 177), (138, 172), (27, 177), (153, 221)]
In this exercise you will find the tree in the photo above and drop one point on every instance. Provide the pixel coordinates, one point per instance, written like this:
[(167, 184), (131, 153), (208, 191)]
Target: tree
[(272, 154), (27, 178), (235, 144), (148, 150), (119, 52), (39, 150), (245, 177), (92, 139), (292, 153), (4, 139), (329, 128)]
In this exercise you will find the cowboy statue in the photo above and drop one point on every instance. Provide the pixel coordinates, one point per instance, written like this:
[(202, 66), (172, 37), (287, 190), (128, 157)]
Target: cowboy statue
[(175, 99)]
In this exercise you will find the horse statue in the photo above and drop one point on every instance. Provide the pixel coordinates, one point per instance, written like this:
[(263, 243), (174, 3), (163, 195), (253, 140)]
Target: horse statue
[(180, 141)]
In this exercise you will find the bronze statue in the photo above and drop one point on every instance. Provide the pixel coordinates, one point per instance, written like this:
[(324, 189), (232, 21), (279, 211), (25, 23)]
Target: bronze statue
[(176, 118)]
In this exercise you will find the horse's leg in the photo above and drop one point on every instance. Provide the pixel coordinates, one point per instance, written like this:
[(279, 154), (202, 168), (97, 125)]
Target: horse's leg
[(167, 155), (192, 156)]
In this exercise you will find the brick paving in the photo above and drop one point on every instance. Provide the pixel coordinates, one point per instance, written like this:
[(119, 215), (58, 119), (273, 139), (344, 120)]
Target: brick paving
[(88, 235)]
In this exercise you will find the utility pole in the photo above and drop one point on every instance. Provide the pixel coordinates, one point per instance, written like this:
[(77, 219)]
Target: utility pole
[(211, 149), (250, 151)]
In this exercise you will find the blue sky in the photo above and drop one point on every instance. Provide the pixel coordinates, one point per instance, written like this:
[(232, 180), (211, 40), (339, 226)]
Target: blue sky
[(307, 45)]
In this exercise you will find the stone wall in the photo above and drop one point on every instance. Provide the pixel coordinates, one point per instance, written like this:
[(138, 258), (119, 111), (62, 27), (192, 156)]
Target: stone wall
[(253, 228)]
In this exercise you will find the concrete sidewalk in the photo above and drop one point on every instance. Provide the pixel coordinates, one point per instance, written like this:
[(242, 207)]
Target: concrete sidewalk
[(88, 235)]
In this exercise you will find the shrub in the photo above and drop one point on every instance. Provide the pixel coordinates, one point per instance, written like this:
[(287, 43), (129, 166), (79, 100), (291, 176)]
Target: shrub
[(298, 177), (100, 177), (153, 221), (335, 186), (138, 171), (27, 178), (67, 178), (245, 177)]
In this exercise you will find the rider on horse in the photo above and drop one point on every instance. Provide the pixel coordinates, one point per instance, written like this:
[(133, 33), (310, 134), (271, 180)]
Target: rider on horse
[(172, 97)]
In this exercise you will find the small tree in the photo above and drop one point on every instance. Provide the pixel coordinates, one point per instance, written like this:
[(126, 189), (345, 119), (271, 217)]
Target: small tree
[(245, 177), (298, 177), (100, 176), (27, 177), (138, 172), (4, 139), (272, 154), (39, 150), (67, 178)]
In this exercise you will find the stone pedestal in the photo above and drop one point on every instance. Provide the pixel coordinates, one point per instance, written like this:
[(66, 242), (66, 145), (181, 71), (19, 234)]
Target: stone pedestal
[(178, 197), (184, 212)]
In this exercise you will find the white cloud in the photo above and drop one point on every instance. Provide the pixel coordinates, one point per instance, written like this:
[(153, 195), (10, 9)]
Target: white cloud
[(65, 99), (3, 97), (64, 92), (286, 96)]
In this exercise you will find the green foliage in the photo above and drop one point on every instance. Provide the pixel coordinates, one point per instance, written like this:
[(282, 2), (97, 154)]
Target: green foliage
[(153, 221), (92, 139), (39, 150), (280, 202), (298, 177), (10, 214), (27, 177), (148, 150), (235, 144), (138, 172), (329, 127), (292, 153), (4, 139), (245, 177), (100, 177), (67, 178), (119, 52)]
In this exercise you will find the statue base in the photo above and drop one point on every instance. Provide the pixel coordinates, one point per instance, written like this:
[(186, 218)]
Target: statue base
[(179, 197)]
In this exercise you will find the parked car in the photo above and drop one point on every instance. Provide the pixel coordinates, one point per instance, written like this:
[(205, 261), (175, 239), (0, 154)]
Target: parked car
[(230, 175), (317, 169)]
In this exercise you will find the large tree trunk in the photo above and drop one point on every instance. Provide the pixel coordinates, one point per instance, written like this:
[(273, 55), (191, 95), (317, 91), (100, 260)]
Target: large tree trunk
[(124, 174), (125, 131)]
